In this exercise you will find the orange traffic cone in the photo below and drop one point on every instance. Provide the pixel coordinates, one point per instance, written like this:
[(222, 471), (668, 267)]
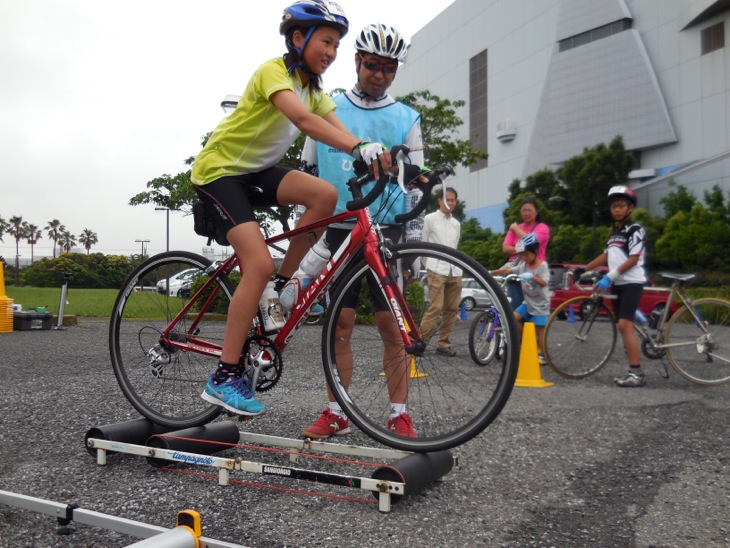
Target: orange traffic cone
[(528, 373)]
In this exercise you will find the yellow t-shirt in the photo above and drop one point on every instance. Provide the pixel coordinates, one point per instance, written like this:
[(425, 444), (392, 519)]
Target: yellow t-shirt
[(256, 135)]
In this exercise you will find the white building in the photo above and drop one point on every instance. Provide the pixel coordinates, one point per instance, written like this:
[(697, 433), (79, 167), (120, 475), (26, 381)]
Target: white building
[(543, 79)]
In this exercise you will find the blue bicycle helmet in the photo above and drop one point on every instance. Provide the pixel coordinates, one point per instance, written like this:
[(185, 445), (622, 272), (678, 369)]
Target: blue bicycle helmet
[(527, 243), (313, 13)]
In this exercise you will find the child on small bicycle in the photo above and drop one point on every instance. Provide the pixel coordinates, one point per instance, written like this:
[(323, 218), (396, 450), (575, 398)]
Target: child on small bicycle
[(236, 171), (625, 255), (534, 274)]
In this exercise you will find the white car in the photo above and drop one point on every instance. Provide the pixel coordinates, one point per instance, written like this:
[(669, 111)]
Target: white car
[(177, 281)]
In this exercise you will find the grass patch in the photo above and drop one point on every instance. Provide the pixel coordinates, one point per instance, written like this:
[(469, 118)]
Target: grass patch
[(80, 302)]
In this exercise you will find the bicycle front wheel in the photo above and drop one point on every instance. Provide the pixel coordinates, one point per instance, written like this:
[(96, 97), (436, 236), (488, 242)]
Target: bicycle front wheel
[(449, 398), (698, 341), (484, 338), (579, 337), (161, 381)]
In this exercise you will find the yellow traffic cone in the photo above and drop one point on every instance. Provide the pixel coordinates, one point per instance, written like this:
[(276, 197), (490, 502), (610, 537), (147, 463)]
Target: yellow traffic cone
[(414, 372), (528, 373), (6, 305)]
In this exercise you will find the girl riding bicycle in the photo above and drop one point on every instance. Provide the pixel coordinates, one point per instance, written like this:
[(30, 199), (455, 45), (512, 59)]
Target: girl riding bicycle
[(236, 171)]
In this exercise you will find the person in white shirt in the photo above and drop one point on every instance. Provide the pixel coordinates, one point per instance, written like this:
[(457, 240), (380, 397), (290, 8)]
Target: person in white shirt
[(444, 280)]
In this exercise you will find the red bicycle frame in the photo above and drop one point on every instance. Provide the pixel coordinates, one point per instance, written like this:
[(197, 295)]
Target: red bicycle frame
[(363, 235)]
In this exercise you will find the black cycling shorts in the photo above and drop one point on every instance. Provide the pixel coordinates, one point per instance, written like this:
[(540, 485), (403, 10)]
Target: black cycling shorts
[(627, 300), (232, 200)]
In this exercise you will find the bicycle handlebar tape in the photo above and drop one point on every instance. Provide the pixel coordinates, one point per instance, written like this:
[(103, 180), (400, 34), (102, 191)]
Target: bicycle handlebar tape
[(136, 431), (528, 372), (415, 471), (206, 440)]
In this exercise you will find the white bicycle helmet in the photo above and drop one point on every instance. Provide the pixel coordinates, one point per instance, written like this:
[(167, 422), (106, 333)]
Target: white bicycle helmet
[(622, 191), (382, 40)]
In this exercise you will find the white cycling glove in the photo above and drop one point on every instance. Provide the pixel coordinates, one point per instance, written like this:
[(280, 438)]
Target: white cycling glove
[(367, 152)]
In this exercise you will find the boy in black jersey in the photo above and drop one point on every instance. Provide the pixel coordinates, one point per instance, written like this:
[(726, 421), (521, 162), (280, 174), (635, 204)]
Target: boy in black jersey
[(625, 255)]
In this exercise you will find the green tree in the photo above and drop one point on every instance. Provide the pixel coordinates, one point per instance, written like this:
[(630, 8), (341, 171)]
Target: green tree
[(54, 228), (17, 230), (3, 227), (475, 241), (67, 241), (698, 240), (586, 179), (33, 233), (439, 124), (677, 200), (88, 238)]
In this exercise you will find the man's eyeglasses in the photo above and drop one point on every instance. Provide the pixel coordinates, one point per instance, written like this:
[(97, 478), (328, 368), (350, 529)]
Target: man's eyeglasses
[(387, 68)]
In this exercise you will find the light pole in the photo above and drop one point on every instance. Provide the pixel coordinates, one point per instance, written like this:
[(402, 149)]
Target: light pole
[(594, 215), (167, 213), (142, 242)]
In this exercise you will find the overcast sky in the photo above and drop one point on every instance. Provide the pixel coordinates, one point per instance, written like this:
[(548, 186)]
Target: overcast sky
[(98, 97)]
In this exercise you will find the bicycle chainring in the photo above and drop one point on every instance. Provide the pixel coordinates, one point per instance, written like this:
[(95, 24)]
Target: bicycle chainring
[(262, 363), (650, 352)]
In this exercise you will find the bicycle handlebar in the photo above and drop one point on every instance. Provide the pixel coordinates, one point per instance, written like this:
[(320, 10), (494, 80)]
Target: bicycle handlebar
[(360, 202)]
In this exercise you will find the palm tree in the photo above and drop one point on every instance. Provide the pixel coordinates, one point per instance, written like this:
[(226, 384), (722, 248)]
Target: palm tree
[(54, 229), (33, 233), (17, 230), (3, 227), (66, 241), (88, 238)]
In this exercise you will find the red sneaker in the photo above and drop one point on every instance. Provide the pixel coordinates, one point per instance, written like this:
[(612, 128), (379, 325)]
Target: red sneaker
[(328, 424), (402, 425)]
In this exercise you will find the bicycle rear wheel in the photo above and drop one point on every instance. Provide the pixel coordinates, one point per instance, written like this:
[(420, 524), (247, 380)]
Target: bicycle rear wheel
[(484, 338), (700, 350), (449, 399), (579, 337), (161, 382)]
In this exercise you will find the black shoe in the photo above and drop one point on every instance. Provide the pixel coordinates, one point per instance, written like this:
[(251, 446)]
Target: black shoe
[(448, 351)]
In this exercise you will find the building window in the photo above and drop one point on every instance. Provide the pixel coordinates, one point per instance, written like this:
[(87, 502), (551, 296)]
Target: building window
[(594, 34), (713, 38), (478, 106)]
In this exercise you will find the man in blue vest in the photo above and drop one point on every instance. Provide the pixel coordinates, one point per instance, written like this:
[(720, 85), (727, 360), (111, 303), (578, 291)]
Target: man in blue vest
[(373, 116)]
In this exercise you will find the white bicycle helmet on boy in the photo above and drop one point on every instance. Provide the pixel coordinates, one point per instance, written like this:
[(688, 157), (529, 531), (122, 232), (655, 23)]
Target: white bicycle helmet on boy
[(528, 242), (382, 40), (621, 191)]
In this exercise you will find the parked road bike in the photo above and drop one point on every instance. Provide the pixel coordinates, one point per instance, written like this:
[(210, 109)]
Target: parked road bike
[(486, 340), (580, 335), (163, 347)]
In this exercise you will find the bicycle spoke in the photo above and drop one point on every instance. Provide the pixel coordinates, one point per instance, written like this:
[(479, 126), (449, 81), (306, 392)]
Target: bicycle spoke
[(579, 338), (450, 398), (162, 381), (698, 341)]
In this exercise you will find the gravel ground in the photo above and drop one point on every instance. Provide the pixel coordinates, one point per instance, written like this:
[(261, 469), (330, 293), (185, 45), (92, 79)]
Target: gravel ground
[(577, 464)]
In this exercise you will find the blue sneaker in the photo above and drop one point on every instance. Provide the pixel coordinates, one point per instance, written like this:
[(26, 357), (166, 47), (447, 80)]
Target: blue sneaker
[(233, 395)]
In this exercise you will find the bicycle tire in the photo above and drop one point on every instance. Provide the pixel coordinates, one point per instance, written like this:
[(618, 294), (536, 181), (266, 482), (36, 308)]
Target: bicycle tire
[(700, 355), (579, 338), (162, 383), (484, 341), (449, 399)]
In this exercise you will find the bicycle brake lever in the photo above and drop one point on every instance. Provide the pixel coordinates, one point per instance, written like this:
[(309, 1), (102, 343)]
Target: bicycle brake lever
[(400, 157)]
